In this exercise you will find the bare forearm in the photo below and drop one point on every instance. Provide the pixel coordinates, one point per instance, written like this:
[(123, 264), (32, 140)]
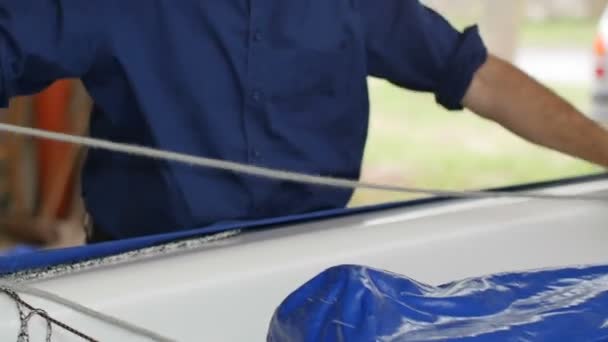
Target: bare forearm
[(502, 93)]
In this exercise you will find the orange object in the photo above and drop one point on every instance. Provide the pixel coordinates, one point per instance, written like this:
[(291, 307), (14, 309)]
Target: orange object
[(599, 46), (51, 113)]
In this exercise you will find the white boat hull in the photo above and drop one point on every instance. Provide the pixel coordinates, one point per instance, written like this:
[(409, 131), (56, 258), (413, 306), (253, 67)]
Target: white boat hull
[(229, 290)]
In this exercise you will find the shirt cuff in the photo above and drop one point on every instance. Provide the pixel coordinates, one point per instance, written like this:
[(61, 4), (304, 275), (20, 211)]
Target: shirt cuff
[(469, 55)]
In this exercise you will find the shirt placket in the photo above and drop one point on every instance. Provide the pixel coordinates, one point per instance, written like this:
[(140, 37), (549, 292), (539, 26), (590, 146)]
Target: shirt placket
[(255, 93), (255, 98)]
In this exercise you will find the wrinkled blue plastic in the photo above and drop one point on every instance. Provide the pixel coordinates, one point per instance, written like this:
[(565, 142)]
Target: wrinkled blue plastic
[(354, 303)]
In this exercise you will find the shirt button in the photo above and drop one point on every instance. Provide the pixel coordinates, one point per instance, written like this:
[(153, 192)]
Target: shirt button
[(343, 45), (258, 36), (256, 95)]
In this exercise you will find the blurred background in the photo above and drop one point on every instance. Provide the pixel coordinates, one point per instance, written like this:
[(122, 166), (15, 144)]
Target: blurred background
[(415, 142), (412, 141)]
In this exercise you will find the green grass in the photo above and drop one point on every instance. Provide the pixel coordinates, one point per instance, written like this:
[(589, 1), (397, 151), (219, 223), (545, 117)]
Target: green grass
[(564, 32), (415, 142), (550, 33)]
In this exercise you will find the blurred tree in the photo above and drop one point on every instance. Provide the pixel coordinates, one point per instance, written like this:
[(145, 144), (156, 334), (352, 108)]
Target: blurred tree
[(500, 23), (596, 7)]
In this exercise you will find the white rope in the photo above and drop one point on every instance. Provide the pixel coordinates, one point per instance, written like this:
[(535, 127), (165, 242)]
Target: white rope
[(272, 173), (24, 289), (233, 167)]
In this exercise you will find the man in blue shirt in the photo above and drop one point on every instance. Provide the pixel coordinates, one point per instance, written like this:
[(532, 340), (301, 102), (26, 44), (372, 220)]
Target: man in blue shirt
[(274, 83)]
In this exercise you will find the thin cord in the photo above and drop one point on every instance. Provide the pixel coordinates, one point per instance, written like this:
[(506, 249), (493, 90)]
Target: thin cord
[(24, 289), (233, 167), (271, 173), (12, 288), (24, 334)]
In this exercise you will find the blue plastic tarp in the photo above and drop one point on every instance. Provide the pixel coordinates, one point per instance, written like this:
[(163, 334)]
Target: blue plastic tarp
[(355, 303)]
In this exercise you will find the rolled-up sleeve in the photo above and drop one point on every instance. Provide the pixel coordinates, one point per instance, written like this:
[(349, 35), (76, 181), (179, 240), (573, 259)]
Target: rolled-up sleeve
[(414, 47), (42, 41)]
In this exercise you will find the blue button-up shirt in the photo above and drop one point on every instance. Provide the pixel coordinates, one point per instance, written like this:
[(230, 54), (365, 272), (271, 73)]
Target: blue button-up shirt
[(275, 83)]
